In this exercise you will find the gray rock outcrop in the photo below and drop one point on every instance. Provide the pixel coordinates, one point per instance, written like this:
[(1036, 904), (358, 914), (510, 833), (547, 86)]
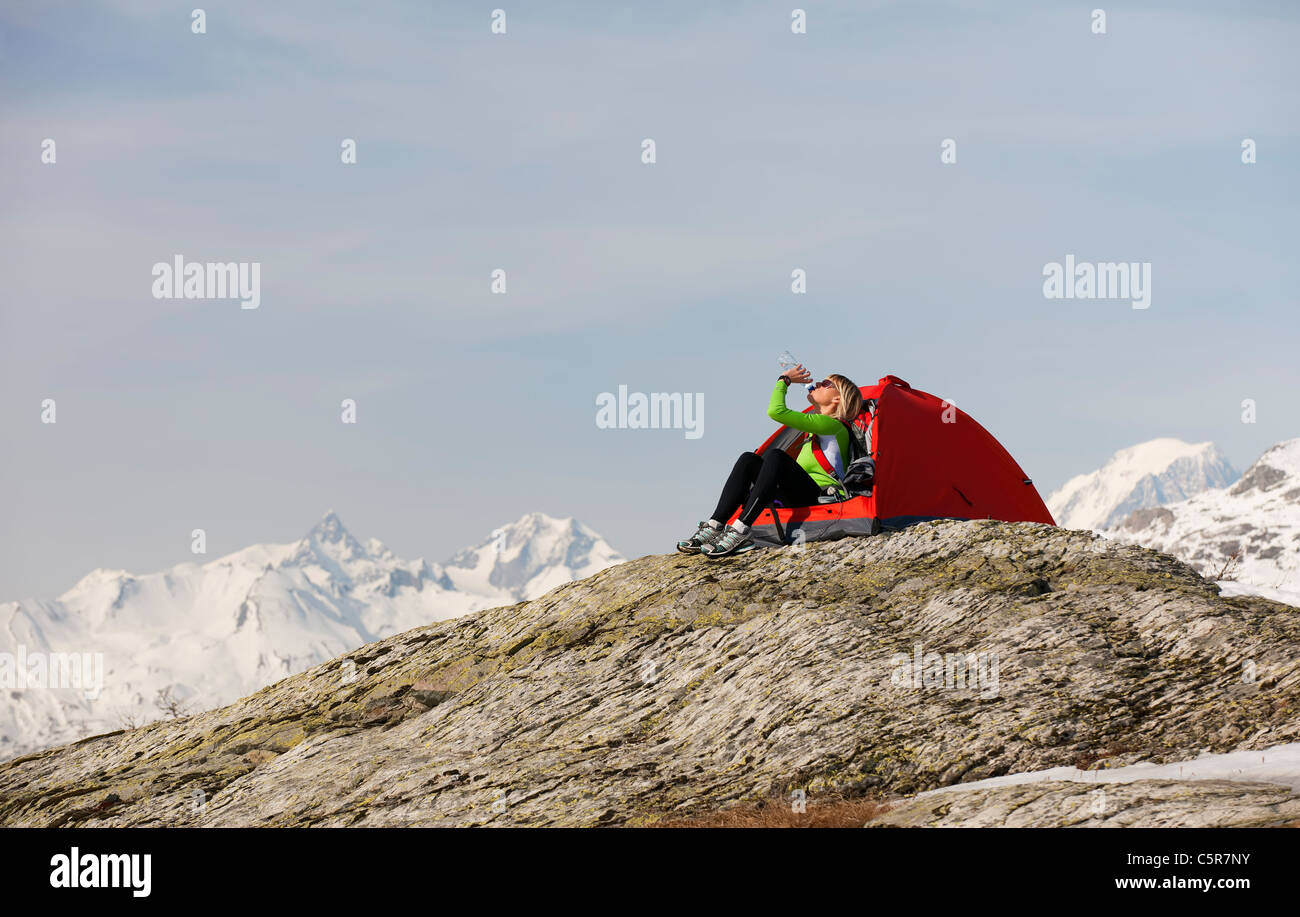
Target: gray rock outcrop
[(670, 686)]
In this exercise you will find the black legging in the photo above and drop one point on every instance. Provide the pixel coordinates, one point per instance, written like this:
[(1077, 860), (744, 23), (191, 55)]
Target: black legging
[(758, 480)]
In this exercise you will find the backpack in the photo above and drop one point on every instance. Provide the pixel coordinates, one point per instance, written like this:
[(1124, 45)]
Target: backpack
[(860, 431), (860, 472)]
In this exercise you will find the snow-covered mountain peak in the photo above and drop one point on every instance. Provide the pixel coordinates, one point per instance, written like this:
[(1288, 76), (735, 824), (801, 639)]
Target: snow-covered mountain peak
[(1157, 454), (98, 579), (1271, 470), (330, 529), (330, 541), (1149, 474), (531, 556)]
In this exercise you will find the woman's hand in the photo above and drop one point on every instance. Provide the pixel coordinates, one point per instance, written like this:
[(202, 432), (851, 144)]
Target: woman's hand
[(798, 374)]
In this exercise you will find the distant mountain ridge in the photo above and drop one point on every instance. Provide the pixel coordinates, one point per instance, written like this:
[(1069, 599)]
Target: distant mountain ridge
[(1149, 474), (531, 557), (212, 632), (1247, 534)]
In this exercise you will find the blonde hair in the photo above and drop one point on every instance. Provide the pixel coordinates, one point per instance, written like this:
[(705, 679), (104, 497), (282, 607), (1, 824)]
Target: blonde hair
[(850, 399)]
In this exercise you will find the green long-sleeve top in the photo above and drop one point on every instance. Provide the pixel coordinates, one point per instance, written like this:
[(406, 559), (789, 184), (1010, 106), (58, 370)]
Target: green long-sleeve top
[(832, 435)]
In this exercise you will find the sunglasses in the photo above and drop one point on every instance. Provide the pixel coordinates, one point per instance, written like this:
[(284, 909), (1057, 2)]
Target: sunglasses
[(822, 383)]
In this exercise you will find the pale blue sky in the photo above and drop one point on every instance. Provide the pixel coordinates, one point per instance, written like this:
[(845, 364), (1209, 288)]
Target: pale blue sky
[(522, 151)]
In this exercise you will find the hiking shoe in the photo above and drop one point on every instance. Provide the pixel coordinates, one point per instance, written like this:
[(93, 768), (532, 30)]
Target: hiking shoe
[(704, 534), (729, 542)]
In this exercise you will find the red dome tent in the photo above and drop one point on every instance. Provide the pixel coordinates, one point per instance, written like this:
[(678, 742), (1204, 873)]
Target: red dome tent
[(933, 461)]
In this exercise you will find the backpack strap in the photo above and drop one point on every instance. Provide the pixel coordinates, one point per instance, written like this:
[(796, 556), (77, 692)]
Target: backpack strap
[(828, 467), (821, 458)]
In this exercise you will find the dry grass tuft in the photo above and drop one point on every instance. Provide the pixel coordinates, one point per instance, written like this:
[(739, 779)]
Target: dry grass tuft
[(834, 813)]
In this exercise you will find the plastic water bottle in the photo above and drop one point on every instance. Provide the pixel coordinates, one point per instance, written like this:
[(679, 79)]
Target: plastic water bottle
[(787, 361)]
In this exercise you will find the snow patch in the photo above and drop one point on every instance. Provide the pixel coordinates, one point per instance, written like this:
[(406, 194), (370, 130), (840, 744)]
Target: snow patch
[(1279, 764)]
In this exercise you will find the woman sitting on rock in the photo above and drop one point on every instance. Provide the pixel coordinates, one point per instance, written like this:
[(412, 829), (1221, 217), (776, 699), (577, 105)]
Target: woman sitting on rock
[(757, 481)]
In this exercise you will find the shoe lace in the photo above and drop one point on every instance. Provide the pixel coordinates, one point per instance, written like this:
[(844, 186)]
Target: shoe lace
[(704, 533), (729, 539)]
